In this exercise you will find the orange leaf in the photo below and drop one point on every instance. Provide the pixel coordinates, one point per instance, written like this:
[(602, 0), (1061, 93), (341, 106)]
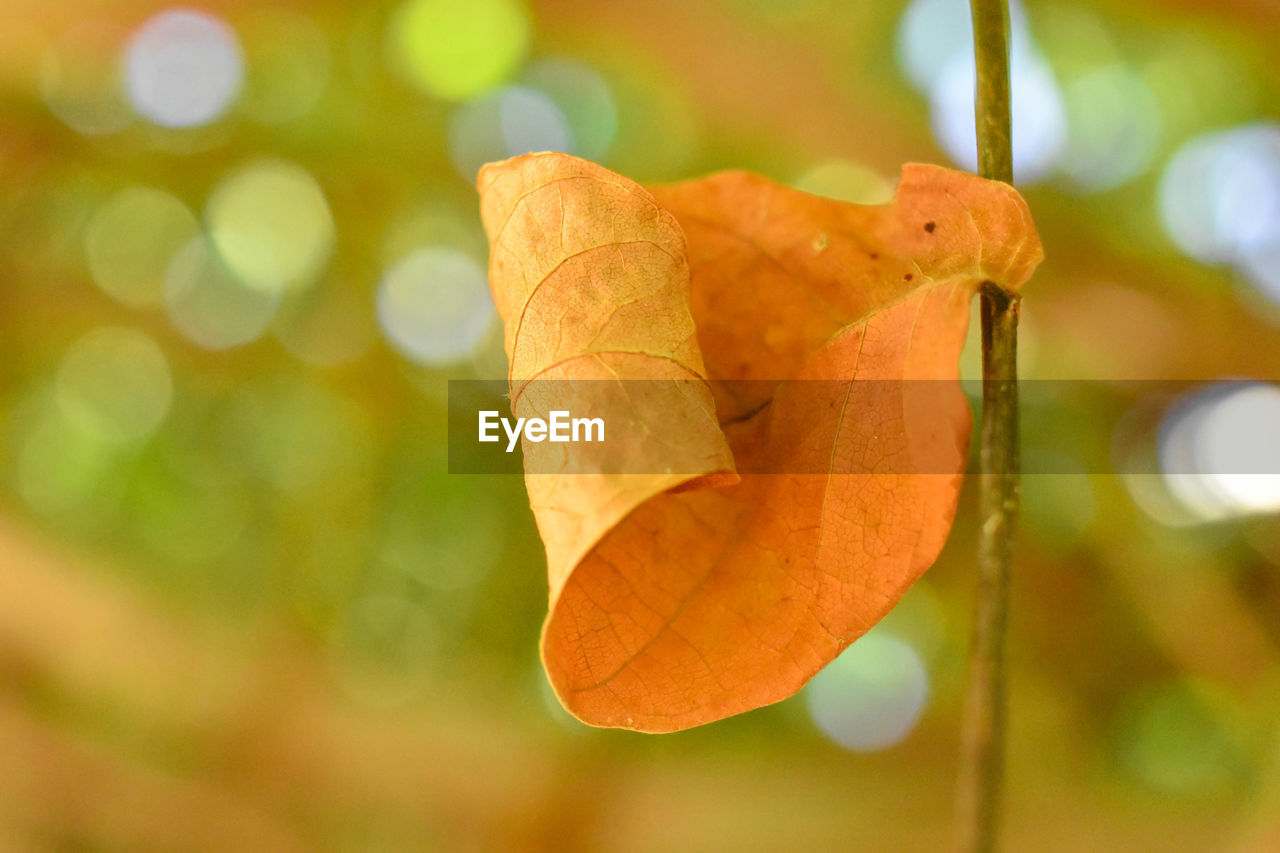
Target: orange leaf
[(680, 598)]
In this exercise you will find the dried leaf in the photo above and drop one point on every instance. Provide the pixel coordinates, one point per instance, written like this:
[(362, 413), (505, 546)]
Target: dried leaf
[(680, 598)]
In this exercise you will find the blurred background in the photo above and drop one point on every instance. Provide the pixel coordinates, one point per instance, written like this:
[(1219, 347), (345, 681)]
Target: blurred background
[(243, 604)]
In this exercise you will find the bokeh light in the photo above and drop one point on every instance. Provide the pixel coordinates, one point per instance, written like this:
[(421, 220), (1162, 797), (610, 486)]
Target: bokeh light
[(871, 696), (584, 98), (130, 240), (1260, 262), (1220, 201), (1219, 453), (183, 68), (211, 306), (115, 383), (434, 305), (935, 49), (1036, 104), (1221, 192), (458, 50), (1188, 195), (514, 120), (1199, 82), (1114, 127), (933, 33), (80, 79), (271, 225), (1182, 739), (1116, 122), (60, 467), (844, 180)]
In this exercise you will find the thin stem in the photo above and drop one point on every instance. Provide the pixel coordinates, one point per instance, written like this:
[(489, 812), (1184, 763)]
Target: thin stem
[(983, 734), (991, 107)]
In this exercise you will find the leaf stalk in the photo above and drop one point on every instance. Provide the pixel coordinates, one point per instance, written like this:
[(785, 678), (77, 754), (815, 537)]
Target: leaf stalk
[(984, 723)]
